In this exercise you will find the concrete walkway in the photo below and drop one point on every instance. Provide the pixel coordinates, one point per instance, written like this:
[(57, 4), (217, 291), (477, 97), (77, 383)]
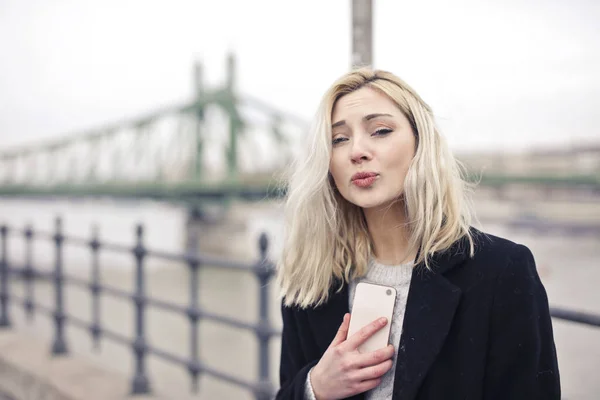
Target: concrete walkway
[(27, 371)]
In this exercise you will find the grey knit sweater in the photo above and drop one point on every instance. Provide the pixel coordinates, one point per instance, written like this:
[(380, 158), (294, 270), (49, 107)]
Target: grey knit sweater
[(397, 276)]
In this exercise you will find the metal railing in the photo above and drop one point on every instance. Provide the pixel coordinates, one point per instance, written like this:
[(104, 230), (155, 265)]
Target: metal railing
[(263, 269)]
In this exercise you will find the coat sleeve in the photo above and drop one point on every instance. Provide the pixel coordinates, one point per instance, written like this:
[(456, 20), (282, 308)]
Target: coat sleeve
[(294, 367), (521, 361)]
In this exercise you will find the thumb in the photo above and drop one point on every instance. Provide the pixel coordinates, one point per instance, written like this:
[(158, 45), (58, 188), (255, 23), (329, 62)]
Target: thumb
[(342, 332)]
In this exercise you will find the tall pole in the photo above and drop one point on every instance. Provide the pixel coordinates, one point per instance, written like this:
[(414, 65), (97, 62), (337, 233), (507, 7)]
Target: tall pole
[(234, 122), (362, 33), (198, 151)]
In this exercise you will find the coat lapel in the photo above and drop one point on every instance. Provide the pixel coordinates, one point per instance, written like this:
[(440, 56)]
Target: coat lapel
[(430, 308)]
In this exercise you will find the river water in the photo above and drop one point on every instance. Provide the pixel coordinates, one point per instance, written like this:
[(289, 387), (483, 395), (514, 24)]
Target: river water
[(569, 268)]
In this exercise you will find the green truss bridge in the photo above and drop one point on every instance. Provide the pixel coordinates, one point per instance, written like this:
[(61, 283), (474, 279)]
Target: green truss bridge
[(218, 145)]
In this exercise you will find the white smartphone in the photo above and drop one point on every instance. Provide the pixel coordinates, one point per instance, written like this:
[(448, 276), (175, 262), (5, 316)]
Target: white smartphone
[(371, 302)]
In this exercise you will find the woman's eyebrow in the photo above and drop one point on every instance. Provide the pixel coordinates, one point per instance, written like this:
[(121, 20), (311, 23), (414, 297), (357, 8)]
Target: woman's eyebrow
[(339, 123), (372, 116)]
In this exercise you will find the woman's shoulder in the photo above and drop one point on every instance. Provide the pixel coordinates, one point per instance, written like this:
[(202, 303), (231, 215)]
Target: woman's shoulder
[(499, 255), (499, 265), (488, 244)]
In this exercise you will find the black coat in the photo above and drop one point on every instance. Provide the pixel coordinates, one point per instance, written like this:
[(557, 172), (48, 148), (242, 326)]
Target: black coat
[(474, 328)]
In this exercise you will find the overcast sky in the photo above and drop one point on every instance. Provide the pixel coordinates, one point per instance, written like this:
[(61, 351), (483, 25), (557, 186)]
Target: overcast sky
[(500, 75)]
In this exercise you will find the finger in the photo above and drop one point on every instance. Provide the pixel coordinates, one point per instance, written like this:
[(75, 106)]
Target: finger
[(364, 333), (375, 357), (366, 385), (374, 371), (342, 332)]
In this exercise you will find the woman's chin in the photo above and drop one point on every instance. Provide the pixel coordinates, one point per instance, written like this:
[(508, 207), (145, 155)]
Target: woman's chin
[(367, 202), (370, 201)]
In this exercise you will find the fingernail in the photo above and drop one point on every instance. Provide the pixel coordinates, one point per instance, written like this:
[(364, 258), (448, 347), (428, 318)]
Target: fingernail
[(382, 321)]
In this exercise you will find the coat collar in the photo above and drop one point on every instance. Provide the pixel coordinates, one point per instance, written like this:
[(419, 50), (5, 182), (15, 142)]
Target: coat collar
[(430, 307)]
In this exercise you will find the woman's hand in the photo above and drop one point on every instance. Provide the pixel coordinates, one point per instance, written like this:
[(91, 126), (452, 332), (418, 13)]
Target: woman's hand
[(343, 371)]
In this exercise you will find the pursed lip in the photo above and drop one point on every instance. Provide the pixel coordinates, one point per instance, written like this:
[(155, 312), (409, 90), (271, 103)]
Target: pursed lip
[(363, 175)]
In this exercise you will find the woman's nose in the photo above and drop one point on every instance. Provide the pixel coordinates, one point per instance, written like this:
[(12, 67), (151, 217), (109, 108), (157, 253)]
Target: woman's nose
[(359, 152)]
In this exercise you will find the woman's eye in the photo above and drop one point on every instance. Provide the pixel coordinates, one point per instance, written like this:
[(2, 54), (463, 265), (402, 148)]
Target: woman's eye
[(338, 140), (382, 132)]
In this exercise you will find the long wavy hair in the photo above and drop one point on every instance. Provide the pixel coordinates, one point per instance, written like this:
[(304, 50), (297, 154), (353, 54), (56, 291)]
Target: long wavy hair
[(326, 237)]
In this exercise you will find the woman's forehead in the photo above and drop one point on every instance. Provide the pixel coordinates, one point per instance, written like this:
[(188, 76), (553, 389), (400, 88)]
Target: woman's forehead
[(364, 101)]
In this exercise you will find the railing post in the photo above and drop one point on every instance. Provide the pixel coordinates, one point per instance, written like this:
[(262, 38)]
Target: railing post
[(140, 384), (4, 317), (193, 312), (59, 346), (263, 272), (28, 272), (95, 329)]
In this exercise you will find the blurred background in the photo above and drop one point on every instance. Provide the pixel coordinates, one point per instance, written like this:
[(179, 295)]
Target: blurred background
[(182, 115)]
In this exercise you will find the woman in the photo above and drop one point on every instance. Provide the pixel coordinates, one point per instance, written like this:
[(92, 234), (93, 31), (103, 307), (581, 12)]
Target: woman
[(379, 198)]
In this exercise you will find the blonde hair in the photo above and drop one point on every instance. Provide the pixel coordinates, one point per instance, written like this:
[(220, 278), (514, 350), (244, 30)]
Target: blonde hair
[(326, 237)]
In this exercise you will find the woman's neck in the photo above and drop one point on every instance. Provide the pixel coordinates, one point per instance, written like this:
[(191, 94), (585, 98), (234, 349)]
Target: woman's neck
[(389, 234)]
